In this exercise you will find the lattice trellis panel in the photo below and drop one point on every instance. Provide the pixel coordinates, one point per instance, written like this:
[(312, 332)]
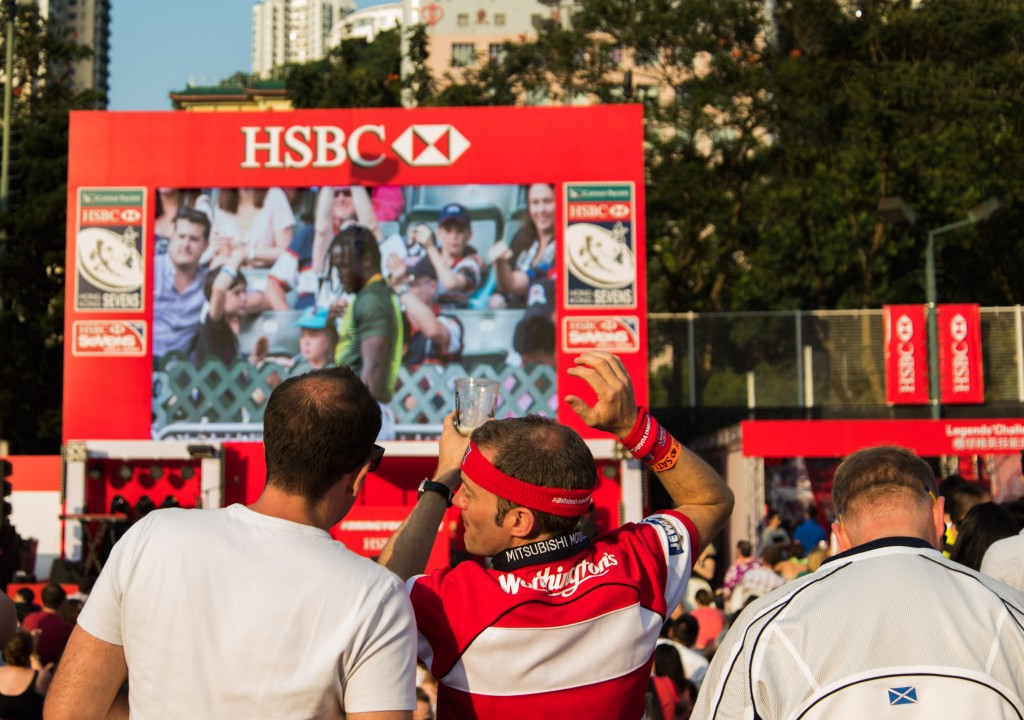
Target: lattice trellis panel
[(213, 393)]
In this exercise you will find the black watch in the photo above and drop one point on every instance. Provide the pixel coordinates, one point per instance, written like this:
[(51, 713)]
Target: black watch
[(440, 488)]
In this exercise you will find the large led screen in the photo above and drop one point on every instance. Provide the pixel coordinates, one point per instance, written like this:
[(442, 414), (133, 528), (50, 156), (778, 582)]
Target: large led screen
[(213, 256)]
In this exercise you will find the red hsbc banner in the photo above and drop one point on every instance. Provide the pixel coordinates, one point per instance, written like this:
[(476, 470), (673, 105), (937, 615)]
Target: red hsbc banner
[(960, 370), (906, 355), (837, 438)]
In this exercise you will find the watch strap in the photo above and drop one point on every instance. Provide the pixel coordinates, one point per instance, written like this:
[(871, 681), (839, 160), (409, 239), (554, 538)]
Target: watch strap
[(439, 488)]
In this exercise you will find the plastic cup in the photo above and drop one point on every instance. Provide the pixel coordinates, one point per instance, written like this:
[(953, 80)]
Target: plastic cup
[(476, 402)]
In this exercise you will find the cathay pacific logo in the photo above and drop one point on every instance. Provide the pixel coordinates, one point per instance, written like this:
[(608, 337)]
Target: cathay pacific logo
[(366, 146)]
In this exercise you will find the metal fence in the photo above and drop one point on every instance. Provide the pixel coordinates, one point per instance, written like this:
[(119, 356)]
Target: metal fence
[(825, 360)]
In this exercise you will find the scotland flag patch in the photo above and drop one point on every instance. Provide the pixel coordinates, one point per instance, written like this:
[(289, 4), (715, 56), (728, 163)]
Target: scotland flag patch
[(902, 696)]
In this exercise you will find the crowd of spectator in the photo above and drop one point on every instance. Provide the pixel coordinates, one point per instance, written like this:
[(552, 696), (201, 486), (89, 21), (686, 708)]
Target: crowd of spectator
[(34, 642)]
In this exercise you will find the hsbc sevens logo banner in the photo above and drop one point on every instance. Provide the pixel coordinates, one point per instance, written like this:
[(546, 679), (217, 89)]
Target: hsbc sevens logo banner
[(110, 233), (960, 370), (906, 355)]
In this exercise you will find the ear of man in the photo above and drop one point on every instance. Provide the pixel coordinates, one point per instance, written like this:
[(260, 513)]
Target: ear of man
[(522, 523)]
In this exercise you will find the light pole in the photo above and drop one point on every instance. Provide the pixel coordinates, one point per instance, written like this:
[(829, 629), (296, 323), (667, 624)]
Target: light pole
[(893, 209), (5, 153)]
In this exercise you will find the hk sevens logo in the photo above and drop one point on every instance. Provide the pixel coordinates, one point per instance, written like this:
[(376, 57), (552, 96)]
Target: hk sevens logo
[(430, 145)]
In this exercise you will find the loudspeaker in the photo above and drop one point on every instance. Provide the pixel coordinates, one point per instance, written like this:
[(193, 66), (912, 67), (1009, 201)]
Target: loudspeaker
[(66, 571)]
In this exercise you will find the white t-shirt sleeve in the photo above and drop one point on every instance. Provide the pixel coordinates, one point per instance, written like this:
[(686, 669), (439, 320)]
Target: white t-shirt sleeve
[(378, 673), (101, 615), (286, 269)]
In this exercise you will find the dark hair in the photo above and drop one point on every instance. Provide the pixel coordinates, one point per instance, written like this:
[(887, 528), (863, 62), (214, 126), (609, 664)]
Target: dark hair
[(668, 664), (539, 451), (239, 279), (704, 597), (744, 548), (316, 428), (18, 650), (229, 198), (26, 595), (53, 596), (1016, 508), (873, 473), (774, 554), (534, 333), (196, 217), (797, 549), (362, 240), (687, 628), (980, 527), (70, 610), (962, 498), (949, 484)]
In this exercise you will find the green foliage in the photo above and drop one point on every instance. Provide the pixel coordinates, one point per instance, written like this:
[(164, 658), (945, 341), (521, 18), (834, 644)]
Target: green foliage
[(354, 74), (32, 243)]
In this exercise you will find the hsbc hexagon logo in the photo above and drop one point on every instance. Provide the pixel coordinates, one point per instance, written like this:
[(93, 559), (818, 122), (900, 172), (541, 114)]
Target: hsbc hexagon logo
[(958, 328), (904, 328), (430, 145)]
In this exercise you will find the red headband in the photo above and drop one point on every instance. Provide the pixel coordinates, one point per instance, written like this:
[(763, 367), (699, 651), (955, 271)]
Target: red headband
[(567, 503)]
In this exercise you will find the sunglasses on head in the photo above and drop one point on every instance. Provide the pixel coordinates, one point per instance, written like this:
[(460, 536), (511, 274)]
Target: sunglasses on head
[(374, 458)]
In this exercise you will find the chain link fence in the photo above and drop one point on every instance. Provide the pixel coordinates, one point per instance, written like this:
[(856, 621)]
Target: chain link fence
[(832, 361)]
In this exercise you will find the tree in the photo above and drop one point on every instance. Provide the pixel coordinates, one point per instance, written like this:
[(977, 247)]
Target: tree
[(33, 230), (354, 74)]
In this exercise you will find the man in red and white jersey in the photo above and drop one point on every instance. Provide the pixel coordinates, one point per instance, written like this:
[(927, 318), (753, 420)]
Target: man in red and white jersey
[(557, 623)]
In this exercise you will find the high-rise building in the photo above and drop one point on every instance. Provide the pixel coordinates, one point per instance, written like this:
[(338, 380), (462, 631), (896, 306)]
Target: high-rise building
[(89, 23), (292, 31)]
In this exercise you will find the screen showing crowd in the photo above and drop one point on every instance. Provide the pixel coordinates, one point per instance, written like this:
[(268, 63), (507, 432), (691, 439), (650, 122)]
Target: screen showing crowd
[(411, 286)]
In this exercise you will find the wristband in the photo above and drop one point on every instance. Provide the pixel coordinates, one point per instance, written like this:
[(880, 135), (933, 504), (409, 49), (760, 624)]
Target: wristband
[(229, 272), (651, 444)]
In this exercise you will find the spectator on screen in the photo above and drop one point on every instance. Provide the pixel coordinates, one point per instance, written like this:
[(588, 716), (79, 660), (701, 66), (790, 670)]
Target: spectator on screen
[(178, 296), (317, 339), (459, 267), (531, 255), (257, 220), (433, 336)]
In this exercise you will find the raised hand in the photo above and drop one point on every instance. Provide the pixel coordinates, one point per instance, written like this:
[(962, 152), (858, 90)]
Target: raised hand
[(615, 409)]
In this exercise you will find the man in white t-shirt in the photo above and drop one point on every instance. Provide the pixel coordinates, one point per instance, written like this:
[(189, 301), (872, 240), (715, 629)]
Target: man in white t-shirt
[(254, 611), (888, 628)]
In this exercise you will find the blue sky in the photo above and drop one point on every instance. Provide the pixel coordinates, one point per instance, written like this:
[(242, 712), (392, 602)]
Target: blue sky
[(157, 46)]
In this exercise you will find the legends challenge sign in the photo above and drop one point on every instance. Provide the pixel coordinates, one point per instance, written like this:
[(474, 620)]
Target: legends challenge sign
[(552, 199)]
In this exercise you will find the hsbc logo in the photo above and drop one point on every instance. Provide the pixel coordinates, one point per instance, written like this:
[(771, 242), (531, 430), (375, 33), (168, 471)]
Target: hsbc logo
[(958, 328), (327, 146), (904, 328), (430, 145)]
